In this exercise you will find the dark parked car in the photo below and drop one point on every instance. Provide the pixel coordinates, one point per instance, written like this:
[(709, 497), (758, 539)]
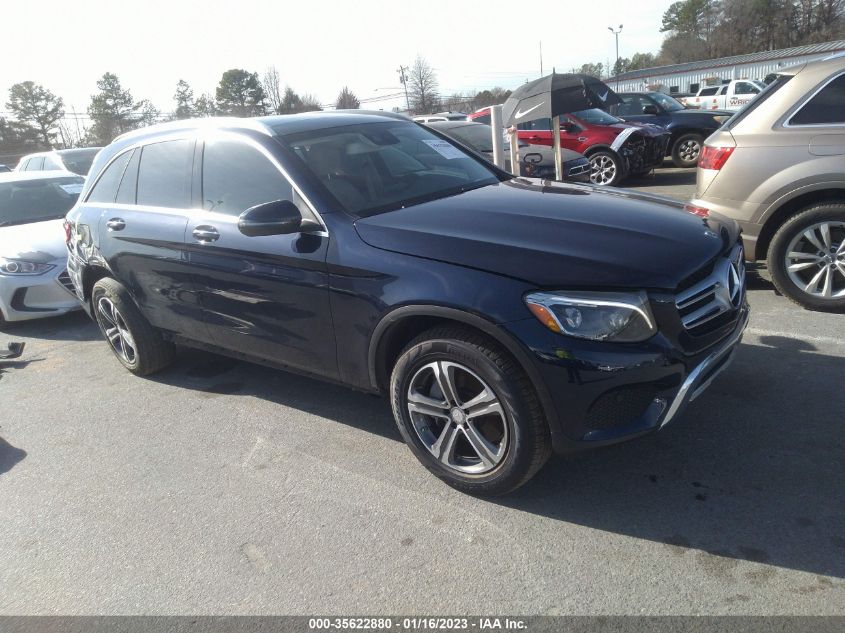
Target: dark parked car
[(535, 160), (4, 168), (504, 317), (689, 127)]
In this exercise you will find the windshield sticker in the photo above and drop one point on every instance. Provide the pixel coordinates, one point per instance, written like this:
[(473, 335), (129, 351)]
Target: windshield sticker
[(74, 189), (623, 136), (446, 150)]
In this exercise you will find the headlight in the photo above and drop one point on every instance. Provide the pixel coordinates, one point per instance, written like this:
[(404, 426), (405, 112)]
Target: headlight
[(599, 316), (22, 267)]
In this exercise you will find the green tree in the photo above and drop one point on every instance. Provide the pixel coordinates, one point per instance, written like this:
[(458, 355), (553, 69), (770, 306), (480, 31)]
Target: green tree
[(184, 98), (38, 108), (113, 111), (346, 100), (16, 140), (239, 93), (594, 70), (205, 106)]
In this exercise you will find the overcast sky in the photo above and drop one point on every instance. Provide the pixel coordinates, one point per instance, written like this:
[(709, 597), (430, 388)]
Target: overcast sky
[(317, 45)]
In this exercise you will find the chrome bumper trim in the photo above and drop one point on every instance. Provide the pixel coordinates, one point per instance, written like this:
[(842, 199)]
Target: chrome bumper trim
[(700, 378)]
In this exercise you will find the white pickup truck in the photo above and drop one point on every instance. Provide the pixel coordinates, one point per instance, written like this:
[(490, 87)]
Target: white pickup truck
[(729, 96)]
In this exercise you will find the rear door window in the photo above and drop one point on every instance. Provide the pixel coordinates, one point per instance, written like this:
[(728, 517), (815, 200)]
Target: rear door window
[(164, 174), (105, 190), (126, 191), (826, 107)]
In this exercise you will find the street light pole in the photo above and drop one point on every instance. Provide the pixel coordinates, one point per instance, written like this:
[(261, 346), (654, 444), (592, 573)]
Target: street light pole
[(616, 34)]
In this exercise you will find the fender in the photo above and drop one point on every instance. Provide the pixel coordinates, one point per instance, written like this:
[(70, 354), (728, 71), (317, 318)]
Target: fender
[(490, 329)]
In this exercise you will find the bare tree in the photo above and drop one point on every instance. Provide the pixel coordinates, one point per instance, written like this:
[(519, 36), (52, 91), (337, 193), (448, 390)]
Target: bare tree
[(273, 90), (422, 87)]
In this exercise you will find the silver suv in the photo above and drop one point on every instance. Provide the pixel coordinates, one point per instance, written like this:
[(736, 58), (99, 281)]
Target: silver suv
[(778, 168)]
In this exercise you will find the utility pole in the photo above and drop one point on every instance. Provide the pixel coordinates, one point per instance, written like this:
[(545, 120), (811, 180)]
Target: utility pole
[(541, 58), (404, 81), (616, 33)]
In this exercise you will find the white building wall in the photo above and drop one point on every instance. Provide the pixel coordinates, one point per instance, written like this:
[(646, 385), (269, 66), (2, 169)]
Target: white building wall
[(755, 70)]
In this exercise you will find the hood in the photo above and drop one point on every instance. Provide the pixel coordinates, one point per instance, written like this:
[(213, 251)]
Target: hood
[(39, 242), (648, 129), (556, 235), (697, 112)]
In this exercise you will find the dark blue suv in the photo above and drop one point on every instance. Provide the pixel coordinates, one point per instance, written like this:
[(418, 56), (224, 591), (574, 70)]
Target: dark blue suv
[(504, 317)]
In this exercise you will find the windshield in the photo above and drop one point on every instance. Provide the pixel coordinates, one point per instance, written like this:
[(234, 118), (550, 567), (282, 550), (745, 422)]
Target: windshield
[(666, 102), (752, 105), (374, 167), (79, 160), (596, 117), (26, 201)]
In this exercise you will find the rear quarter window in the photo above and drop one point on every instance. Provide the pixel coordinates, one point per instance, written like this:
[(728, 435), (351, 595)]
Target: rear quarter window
[(105, 189), (826, 107)]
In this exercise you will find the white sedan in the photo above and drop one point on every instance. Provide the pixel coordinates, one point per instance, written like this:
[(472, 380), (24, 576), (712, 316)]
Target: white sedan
[(33, 276)]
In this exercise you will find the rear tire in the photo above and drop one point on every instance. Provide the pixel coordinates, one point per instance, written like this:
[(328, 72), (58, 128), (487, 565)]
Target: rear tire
[(490, 447), (138, 346), (605, 168), (687, 150), (806, 258)]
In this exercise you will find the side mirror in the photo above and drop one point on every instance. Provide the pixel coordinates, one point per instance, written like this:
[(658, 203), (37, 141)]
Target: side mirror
[(651, 109), (280, 217)]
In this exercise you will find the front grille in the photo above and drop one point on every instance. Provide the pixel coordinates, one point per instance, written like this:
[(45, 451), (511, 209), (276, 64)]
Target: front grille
[(65, 281), (711, 302), (620, 407)]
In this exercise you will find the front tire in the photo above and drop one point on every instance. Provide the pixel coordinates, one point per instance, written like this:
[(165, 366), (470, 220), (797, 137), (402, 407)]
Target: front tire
[(806, 258), (687, 150), (468, 412), (605, 169), (135, 343)]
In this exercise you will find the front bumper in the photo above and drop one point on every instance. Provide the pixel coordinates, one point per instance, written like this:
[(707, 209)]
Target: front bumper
[(604, 393), (26, 297)]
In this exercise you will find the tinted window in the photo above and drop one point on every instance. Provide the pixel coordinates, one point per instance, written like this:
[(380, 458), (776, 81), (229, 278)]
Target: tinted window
[(163, 174), (666, 102), (745, 88), (484, 118), (28, 201), (596, 116), (828, 106), (478, 137), (536, 124), (632, 105), (375, 167), (79, 160), (236, 177), (708, 92), (126, 191), (34, 164), (106, 188)]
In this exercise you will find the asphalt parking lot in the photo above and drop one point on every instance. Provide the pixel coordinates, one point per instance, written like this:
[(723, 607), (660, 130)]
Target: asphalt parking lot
[(220, 487)]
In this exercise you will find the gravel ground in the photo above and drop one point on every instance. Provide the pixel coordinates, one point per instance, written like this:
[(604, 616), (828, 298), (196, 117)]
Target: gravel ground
[(220, 487)]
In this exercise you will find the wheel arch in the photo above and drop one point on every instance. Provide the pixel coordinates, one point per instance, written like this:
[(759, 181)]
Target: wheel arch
[(785, 209), (397, 328)]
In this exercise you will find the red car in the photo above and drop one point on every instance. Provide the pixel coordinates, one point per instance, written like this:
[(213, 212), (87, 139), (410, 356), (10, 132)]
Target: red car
[(616, 149)]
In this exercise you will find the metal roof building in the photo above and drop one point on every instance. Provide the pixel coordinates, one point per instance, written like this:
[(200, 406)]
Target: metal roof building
[(690, 77)]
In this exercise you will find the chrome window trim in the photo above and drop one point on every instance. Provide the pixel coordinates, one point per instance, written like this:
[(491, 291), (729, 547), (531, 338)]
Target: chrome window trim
[(240, 138), (787, 124)]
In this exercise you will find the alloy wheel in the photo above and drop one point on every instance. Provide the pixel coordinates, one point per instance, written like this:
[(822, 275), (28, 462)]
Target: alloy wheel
[(603, 170), (815, 260), (458, 417), (114, 327), (689, 150)]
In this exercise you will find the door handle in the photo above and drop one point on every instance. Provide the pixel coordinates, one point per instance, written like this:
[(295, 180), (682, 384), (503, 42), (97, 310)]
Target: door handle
[(206, 234), (116, 224), (534, 138)]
